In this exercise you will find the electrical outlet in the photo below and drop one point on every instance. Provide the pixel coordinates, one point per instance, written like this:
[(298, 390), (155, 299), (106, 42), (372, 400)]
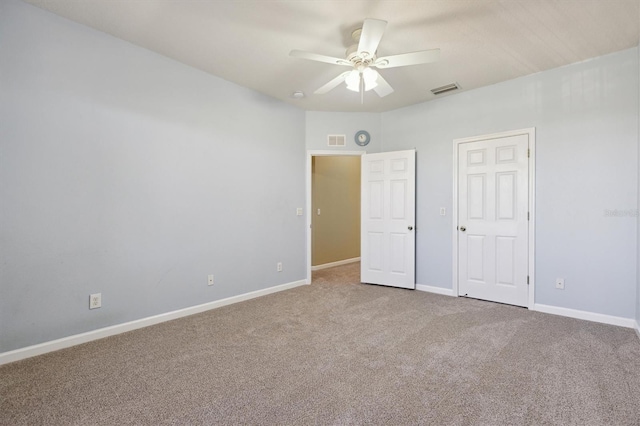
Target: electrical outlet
[(279, 267), (443, 211), (210, 280), (560, 283), (299, 211), (95, 301)]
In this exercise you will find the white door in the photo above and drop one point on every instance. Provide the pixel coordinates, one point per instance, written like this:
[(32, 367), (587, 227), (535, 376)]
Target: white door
[(493, 219), (387, 238)]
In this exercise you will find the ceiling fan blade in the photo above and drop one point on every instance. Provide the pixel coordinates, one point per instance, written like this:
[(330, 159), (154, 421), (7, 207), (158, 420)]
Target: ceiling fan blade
[(319, 58), (383, 88), (404, 59), (372, 31), (332, 84)]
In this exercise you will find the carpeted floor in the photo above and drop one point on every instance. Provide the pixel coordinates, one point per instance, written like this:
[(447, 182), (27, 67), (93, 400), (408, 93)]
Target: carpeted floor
[(339, 352)]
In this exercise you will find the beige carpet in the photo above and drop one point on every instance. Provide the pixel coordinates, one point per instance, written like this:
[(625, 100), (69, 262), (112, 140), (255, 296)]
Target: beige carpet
[(339, 352)]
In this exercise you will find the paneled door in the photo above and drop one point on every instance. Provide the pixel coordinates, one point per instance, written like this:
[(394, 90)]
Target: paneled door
[(493, 222), (387, 252)]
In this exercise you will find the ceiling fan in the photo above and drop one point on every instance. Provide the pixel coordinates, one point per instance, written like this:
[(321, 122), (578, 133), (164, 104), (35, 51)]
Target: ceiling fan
[(361, 57)]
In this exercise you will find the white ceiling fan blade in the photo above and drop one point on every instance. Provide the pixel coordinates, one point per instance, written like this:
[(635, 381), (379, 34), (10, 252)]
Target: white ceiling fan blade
[(332, 84), (413, 58), (383, 88), (319, 58), (372, 31)]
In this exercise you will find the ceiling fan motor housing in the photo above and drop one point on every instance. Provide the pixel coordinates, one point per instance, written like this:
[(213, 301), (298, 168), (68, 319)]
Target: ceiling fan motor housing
[(356, 59)]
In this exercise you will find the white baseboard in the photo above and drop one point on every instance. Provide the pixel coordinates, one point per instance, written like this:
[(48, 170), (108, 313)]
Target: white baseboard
[(436, 290), (584, 315), (332, 264), (65, 342)]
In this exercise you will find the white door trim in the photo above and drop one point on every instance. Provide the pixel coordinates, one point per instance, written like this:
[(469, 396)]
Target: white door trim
[(310, 155), (531, 132)]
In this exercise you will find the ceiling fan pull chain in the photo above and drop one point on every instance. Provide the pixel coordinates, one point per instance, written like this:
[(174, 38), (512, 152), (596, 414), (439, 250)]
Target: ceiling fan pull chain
[(361, 89)]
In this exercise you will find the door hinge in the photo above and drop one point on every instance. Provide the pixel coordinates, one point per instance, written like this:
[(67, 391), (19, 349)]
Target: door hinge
[(527, 279), (528, 153), (527, 215)]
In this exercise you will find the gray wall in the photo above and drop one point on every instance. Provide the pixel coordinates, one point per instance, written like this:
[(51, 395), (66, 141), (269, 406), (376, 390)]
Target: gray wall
[(320, 124), (126, 173), (586, 120)]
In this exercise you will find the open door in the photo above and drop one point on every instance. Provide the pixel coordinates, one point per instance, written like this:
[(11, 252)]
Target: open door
[(388, 219)]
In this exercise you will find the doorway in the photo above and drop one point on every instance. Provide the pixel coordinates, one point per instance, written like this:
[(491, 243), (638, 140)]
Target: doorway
[(328, 211), (494, 217), (335, 207)]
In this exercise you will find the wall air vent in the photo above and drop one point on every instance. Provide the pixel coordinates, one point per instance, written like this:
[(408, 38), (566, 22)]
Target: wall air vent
[(445, 88), (337, 140)]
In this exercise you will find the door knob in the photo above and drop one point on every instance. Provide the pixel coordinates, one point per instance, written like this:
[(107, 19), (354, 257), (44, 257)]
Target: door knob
[(410, 228), (462, 228)]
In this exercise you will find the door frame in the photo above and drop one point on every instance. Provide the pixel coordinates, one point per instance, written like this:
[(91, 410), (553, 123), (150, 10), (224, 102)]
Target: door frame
[(531, 133), (310, 155)]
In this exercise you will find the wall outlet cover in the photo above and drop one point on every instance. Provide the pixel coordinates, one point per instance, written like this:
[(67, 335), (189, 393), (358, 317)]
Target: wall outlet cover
[(95, 301)]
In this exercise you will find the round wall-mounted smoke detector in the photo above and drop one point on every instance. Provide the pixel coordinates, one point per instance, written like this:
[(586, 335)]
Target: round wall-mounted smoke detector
[(298, 94)]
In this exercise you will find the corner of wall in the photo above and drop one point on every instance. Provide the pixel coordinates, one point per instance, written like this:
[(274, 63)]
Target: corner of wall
[(638, 207)]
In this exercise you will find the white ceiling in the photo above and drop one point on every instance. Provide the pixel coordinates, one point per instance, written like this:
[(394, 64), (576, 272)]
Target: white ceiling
[(482, 42)]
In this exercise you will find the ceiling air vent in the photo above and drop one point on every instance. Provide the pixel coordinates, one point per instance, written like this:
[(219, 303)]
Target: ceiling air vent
[(337, 140), (445, 88)]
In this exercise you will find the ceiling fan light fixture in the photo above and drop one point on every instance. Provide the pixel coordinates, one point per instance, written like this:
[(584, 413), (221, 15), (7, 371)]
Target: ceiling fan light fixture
[(368, 75), (353, 81)]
